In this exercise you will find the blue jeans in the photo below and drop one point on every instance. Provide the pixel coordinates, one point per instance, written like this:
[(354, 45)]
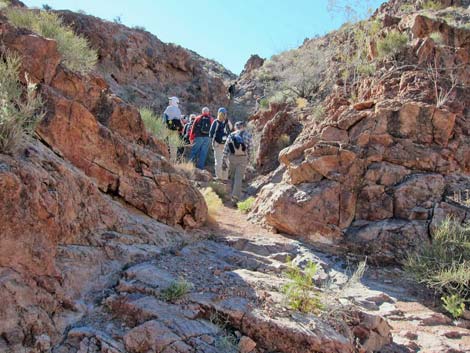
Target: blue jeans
[(199, 151)]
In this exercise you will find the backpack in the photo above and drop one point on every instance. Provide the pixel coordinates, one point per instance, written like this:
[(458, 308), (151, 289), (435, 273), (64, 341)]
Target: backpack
[(237, 145), (205, 125), (220, 136)]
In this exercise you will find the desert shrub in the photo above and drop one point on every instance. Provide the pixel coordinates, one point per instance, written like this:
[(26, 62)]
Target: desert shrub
[(186, 168), (391, 44), (454, 304), (140, 28), (157, 127), (437, 38), (444, 264), (4, 3), (461, 197), (300, 291), (176, 290), (301, 103), (246, 205), (213, 202), (227, 343), (318, 113), (46, 7), (219, 189), (433, 5), (74, 49), (18, 114), (407, 8), (283, 141), (264, 104)]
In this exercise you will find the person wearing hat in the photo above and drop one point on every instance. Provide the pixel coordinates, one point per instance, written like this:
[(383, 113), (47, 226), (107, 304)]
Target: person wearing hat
[(236, 156), (172, 115), (219, 131)]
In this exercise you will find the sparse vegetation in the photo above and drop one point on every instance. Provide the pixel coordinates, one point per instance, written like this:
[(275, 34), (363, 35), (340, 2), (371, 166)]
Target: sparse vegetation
[(264, 104), (432, 5), (214, 203), (176, 290), (462, 197), (444, 264), (437, 38), (157, 127), (219, 189), (454, 304), (186, 168), (445, 79), (407, 8), (46, 7), (4, 4), (246, 205), (392, 44), (18, 113), (300, 292), (283, 141), (318, 113), (301, 103), (140, 28), (74, 49)]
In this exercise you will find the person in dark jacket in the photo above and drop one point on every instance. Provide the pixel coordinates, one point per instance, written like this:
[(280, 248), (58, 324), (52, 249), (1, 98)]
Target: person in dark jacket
[(199, 136), (220, 129), (187, 128)]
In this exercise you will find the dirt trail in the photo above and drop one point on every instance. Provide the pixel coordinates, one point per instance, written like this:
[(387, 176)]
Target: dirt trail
[(418, 325)]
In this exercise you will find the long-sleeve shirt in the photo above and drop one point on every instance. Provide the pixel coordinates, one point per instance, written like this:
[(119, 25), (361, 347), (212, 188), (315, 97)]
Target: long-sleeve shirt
[(171, 112), (196, 128), (247, 140)]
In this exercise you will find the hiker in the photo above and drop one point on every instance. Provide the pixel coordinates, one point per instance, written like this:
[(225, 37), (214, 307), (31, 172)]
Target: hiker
[(172, 115), (220, 129), (187, 128), (199, 136), (237, 152)]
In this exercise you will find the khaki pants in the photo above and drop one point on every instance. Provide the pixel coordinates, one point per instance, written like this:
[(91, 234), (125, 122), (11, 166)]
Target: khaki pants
[(218, 155), (237, 171)]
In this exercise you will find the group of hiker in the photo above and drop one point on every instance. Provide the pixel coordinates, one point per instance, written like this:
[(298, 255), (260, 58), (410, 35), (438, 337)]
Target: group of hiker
[(232, 144)]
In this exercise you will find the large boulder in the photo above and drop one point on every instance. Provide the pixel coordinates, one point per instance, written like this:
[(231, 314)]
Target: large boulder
[(373, 175)]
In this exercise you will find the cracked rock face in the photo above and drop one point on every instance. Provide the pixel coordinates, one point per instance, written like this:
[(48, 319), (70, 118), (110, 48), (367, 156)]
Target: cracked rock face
[(375, 177)]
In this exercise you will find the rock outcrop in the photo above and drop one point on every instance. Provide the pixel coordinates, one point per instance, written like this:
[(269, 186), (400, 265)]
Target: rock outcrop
[(373, 176), (144, 71), (88, 195)]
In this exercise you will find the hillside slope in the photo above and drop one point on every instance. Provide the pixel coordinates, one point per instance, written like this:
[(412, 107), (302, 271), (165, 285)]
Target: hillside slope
[(380, 157), (144, 71)]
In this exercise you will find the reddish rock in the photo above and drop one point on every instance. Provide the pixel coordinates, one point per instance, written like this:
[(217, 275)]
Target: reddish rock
[(144, 71), (364, 105), (253, 63), (414, 198), (374, 204)]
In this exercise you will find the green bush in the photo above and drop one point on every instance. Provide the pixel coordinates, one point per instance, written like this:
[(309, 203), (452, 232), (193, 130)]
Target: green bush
[(300, 291), (246, 205), (176, 290), (391, 44), (454, 304), (157, 127), (432, 5), (18, 113), (444, 264), (264, 104), (437, 38), (74, 49)]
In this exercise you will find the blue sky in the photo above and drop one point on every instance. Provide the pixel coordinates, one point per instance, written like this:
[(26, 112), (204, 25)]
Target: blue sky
[(228, 31)]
